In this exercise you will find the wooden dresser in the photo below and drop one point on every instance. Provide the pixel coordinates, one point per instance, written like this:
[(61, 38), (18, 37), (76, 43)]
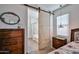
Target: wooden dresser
[(11, 41), (58, 42)]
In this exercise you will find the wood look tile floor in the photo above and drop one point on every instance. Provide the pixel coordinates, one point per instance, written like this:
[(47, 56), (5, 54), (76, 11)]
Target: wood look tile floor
[(33, 48)]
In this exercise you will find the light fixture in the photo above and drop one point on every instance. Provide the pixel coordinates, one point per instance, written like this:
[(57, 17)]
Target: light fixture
[(61, 25)]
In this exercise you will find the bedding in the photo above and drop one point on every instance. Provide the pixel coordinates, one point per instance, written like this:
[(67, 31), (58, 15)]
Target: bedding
[(70, 48)]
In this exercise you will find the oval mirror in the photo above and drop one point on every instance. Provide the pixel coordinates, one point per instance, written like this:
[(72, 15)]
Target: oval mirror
[(9, 18)]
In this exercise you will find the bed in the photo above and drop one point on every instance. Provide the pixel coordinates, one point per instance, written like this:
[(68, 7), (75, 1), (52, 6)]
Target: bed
[(72, 47)]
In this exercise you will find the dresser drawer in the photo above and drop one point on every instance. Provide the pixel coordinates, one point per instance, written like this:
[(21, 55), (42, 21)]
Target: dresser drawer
[(12, 41), (6, 34), (15, 34), (58, 42)]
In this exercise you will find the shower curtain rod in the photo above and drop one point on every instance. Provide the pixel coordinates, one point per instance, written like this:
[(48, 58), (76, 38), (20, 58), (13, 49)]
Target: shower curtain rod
[(38, 8)]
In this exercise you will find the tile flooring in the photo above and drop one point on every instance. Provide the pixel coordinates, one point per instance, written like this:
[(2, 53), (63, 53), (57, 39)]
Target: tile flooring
[(33, 48)]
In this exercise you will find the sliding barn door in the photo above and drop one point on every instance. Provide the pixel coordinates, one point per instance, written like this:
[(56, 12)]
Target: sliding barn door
[(44, 30)]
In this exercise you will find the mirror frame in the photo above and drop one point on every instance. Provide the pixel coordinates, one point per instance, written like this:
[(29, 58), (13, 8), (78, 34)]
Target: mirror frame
[(3, 19)]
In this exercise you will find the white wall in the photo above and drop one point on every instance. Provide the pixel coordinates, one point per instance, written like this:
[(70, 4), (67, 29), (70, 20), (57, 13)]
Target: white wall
[(20, 10), (73, 17)]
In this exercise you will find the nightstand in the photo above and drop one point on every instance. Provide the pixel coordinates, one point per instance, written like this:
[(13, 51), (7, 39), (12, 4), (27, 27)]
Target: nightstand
[(58, 42)]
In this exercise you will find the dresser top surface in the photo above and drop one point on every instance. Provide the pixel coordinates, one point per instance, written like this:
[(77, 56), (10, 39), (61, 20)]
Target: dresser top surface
[(62, 38)]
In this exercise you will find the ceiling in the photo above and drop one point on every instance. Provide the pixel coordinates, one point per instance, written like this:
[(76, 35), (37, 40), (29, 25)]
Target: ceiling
[(47, 7)]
